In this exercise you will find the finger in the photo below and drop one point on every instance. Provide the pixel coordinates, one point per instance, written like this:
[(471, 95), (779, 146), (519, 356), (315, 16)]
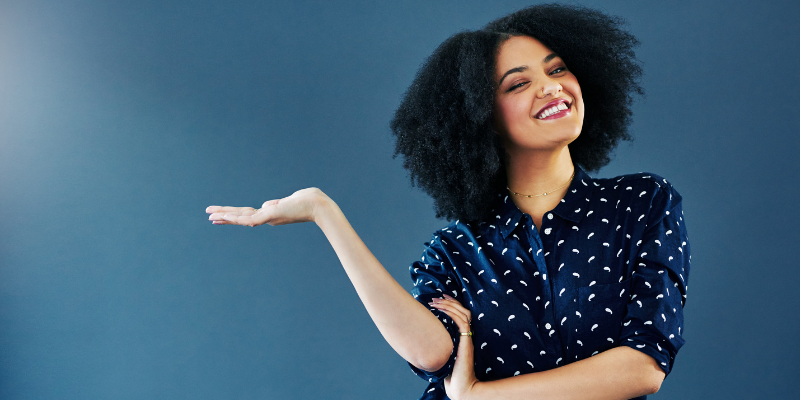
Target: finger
[(218, 216), (454, 304), (457, 304), (249, 211), (462, 324), (458, 317), (270, 203), (216, 209), (451, 302), (226, 209), (463, 317), (246, 220), (239, 211)]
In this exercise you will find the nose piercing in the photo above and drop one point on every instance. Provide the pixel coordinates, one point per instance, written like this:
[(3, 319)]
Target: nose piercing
[(556, 90)]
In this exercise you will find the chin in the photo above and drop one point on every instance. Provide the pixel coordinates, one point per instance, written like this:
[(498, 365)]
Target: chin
[(566, 136)]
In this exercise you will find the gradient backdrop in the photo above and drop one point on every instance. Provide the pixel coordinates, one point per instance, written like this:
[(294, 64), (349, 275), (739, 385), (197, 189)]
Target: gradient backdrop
[(120, 121)]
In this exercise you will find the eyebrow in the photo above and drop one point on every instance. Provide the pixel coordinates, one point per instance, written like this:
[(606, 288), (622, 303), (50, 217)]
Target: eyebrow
[(525, 67)]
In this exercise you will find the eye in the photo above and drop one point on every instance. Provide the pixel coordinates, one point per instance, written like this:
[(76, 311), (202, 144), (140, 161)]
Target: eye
[(558, 70), (517, 86)]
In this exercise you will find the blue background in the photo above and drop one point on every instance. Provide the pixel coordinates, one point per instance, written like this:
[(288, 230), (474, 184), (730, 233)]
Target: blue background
[(120, 121)]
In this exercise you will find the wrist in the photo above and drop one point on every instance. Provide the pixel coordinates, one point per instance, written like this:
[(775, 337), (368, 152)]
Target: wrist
[(323, 210), (475, 390)]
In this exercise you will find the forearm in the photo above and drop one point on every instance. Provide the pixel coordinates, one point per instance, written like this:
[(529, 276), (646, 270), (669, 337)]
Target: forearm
[(408, 326), (618, 373)]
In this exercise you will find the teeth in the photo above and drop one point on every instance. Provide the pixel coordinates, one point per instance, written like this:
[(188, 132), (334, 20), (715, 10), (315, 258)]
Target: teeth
[(552, 110)]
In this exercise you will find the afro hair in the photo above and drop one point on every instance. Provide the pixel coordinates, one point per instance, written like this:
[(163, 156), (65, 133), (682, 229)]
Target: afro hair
[(444, 124)]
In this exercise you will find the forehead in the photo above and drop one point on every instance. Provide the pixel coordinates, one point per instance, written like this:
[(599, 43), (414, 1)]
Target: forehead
[(518, 51)]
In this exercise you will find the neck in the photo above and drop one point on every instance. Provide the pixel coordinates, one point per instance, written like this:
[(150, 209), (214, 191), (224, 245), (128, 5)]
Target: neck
[(534, 173)]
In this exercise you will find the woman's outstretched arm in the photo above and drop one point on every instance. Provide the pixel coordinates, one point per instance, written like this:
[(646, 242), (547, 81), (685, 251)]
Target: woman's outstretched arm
[(412, 331)]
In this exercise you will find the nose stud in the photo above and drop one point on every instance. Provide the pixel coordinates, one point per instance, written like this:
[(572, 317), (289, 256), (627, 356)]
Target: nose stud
[(556, 90)]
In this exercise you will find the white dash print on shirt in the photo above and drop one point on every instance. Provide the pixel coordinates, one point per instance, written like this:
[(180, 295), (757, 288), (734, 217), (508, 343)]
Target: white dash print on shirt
[(617, 256)]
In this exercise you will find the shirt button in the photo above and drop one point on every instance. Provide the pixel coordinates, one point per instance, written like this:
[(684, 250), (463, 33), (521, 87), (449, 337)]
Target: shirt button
[(549, 216)]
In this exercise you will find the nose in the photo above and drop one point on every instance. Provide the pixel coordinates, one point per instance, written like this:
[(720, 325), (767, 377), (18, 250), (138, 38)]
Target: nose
[(549, 87)]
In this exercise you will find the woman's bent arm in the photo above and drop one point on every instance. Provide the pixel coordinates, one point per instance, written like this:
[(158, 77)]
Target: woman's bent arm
[(408, 326), (618, 373)]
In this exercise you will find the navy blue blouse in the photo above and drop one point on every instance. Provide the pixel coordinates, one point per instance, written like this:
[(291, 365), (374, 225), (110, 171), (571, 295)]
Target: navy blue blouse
[(609, 267)]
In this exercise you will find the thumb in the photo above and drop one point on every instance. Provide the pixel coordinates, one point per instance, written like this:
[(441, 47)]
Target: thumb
[(270, 203)]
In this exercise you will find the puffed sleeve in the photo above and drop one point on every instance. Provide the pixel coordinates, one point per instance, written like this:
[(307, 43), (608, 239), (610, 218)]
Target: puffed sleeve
[(654, 321), (433, 275)]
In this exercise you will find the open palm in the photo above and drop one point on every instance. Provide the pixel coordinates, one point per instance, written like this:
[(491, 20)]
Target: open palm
[(299, 207)]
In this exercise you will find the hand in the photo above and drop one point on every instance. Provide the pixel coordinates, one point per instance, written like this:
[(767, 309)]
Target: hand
[(462, 381), (301, 206)]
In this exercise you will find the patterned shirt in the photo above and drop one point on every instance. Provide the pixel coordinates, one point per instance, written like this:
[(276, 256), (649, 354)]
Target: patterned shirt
[(609, 267)]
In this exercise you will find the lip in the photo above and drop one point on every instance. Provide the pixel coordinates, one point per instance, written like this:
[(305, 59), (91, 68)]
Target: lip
[(557, 115)]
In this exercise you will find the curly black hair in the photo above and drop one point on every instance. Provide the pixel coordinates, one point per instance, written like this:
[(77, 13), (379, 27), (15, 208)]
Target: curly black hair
[(444, 125)]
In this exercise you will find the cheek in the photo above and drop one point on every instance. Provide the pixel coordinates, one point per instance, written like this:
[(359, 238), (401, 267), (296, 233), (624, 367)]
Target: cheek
[(512, 113), (575, 89)]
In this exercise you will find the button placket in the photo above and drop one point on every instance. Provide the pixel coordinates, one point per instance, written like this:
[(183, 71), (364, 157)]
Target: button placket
[(551, 334)]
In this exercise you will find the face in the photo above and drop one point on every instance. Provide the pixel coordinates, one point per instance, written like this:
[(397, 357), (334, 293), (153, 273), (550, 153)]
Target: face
[(538, 104)]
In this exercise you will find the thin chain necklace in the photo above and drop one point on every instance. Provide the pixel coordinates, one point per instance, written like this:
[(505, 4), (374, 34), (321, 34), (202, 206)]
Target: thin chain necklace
[(545, 193)]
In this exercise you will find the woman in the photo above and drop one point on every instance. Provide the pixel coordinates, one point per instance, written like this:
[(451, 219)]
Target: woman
[(549, 283)]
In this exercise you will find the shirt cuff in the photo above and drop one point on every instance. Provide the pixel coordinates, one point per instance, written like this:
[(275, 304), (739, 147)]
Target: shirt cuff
[(655, 348)]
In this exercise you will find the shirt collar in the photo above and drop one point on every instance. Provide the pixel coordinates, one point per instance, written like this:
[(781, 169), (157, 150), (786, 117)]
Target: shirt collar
[(507, 215), (572, 207)]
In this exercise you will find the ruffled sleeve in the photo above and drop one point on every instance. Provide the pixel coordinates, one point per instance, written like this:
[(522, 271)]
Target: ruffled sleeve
[(654, 320), (433, 276)]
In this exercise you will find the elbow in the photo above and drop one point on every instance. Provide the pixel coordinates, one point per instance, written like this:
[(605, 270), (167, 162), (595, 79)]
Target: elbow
[(654, 382), (433, 354), (432, 358), (430, 361), (431, 365), (648, 373), (653, 388)]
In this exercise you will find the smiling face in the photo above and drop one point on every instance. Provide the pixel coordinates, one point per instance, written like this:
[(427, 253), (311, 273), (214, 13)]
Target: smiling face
[(538, 104)]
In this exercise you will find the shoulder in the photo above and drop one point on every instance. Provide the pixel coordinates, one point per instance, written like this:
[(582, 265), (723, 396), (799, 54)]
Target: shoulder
[(645, 194), (643, 185), (456, 230), (460, 241)]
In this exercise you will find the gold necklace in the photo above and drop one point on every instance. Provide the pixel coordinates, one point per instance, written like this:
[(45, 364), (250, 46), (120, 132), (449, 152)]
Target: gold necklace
[(545, 193)]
